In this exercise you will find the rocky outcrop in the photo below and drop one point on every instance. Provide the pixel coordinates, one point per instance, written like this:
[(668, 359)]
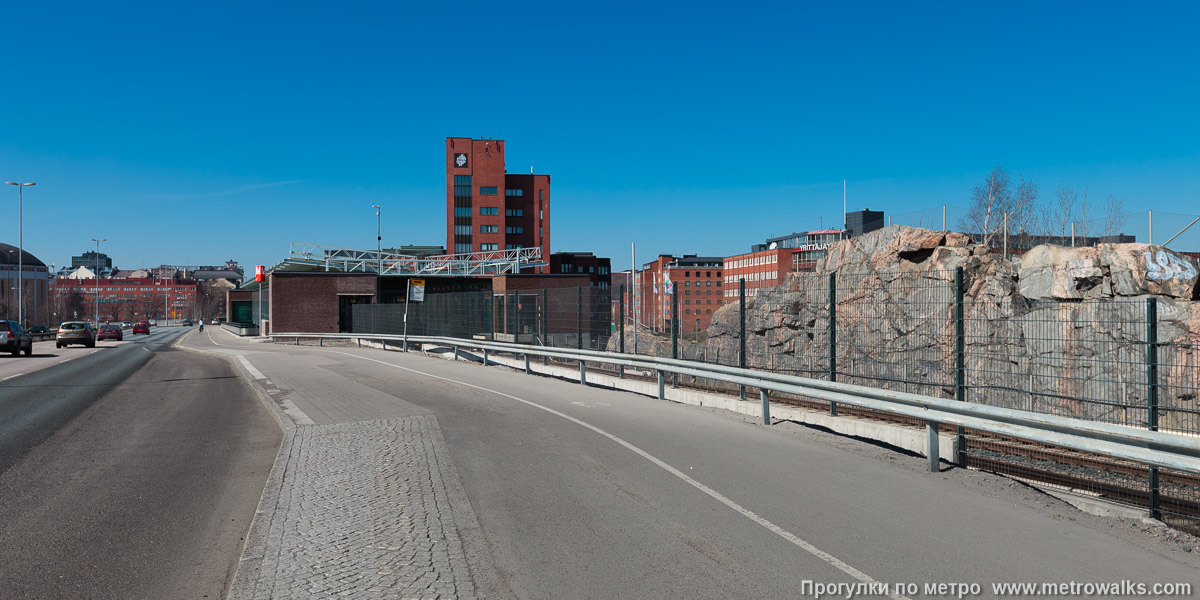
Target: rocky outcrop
[(1061, 330)]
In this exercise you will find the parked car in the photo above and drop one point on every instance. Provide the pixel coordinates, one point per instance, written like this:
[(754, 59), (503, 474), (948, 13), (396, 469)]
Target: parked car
[(141, 327), (110, 332), (75, 332), (15, 339)]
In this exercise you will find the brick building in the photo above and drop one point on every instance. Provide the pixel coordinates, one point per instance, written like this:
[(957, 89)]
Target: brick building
[(598, 269), (124, 299), (807, 247), (697, 280), (488, 209), (761, 269), (317, 302)]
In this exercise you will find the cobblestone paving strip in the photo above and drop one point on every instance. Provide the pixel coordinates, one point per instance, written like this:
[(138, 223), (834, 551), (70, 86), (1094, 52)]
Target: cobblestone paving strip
[(365, 510)]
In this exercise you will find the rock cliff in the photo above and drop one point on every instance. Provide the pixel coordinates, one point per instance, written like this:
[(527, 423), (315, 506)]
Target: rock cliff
[(1061, 330)]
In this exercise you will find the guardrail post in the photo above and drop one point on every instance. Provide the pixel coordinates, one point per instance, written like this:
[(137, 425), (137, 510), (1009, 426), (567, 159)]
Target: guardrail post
[(485, 357), (742, 332), (621, 325), (321, 342), (527, 372), (932, 446), (674, 333), (662, 385), (582, 373), (833, 336), (960, 363), (455, 354), (1152, 395), (765, 399), (579, 318)]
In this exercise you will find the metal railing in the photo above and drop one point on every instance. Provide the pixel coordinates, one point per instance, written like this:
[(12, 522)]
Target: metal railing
[(1140, 445), (331, 258)]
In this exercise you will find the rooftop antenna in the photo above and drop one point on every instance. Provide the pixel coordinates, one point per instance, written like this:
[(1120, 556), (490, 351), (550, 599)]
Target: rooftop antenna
[(531, 169)]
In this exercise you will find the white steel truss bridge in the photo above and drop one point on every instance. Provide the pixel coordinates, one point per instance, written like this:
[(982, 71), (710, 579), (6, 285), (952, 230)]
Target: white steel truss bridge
[(315, 257)]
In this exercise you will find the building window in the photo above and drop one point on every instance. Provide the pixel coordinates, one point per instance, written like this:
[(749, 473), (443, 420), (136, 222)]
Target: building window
[(514, 193), (489, 229), (462, 211), (513, 246), (514, 212), (462, 180), (488, 247), (488, 190), (687, 301), (539, 195), (462, 230), (514, 230), (489, 210), (462, 248)]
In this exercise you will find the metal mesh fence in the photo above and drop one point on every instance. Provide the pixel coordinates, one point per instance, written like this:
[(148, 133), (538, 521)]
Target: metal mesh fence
[(938, 218), (903, 331)]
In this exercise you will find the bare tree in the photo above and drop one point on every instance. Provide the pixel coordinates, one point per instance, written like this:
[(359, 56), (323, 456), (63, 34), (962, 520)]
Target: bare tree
[(1114, 217), (990, 201), (1023, 213), (1060, 215)]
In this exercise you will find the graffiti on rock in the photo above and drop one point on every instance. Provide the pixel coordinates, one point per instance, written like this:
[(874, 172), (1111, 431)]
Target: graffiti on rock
[(1168, 266)]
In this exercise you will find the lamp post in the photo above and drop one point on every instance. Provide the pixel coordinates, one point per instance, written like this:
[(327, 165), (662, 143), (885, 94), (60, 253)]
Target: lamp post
[(20, 247), (97, 273), (378, 254)]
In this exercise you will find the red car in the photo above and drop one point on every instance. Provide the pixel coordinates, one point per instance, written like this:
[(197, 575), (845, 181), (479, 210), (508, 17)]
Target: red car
[(110, 332), (141, 327)]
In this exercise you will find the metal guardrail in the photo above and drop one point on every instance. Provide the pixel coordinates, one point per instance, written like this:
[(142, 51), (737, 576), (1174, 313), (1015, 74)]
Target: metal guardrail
[(1154, 448)]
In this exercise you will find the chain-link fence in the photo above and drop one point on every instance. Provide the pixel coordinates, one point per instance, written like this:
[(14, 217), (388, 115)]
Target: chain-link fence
[(938, 218), (1131, 362)]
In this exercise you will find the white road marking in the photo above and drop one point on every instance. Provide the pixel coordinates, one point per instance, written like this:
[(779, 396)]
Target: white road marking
[(773, 528), (298, 416), (249, 367), (9, 377)]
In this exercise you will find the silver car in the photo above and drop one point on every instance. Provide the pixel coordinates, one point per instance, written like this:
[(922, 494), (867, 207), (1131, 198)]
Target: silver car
[(75, 332)]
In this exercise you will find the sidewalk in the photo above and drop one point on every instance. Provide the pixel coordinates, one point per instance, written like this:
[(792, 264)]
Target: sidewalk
[(352, 509)]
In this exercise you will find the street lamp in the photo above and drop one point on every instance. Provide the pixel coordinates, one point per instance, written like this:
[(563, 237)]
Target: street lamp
[(97, 274), (20, 247), (378, 254)]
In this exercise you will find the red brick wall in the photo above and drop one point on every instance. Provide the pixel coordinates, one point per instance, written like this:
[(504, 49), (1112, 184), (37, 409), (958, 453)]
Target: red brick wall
[(308, 302), (485, 165)]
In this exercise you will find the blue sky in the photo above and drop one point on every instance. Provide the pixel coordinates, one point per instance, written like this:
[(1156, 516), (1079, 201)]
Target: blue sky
[(192, 133)]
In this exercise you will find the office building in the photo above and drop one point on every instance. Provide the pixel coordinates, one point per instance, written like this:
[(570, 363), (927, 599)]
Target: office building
[(488, 209)]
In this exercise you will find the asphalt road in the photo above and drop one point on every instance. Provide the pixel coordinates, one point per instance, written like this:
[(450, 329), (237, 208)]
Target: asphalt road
[(585, 493), (130, 471)]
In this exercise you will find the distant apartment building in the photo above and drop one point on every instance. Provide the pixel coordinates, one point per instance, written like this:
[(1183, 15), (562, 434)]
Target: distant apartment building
[(696, 280), (96, 262), (765, 268), (805, 248), (488, 209), (123, 299), (598, 269)]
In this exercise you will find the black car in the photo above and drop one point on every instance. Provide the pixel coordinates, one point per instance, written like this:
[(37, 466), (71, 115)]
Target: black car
[(14, 339), (39, 329)]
